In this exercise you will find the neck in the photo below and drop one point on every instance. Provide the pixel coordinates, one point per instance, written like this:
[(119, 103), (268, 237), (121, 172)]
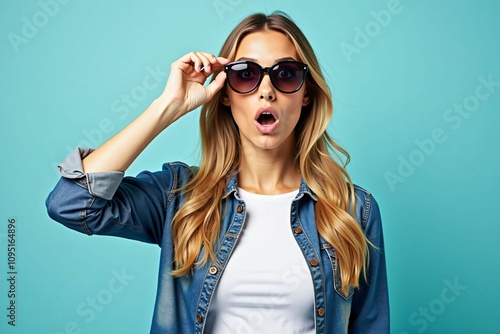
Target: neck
[(268, 172)]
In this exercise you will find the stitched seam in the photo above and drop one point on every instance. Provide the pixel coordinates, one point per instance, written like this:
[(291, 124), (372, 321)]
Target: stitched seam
[(367, 210), (336, 279), (83, 217), (81, 183), (323, 288), (210, 295), (174, 185), (117, 222)]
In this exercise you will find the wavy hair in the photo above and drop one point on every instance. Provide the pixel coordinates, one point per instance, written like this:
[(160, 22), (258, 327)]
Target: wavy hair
[(197, 224)]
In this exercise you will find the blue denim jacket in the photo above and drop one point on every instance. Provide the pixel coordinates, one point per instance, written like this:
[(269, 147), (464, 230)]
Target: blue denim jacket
[(142, 208)]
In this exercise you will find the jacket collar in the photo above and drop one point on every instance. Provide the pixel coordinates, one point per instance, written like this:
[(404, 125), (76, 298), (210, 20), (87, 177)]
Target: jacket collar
[(232, 189)]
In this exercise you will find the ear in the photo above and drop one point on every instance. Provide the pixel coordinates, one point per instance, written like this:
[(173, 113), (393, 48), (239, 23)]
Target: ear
[(225, 98), (306, 99)]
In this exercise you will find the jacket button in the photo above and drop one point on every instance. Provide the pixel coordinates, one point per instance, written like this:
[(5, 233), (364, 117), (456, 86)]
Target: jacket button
[(297, 230), (239, 208), (212, 270), (199, 318), (321, 311), (314, 262)]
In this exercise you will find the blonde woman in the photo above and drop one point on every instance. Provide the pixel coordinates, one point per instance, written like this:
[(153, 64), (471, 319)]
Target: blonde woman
[(269, 234)]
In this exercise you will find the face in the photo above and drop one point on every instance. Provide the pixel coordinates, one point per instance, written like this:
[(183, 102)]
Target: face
[(266, 117)]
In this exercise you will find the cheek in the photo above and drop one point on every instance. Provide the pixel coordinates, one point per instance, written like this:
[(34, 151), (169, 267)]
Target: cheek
[(240, 112), (234, 97), (294, 105), (294, 117), (237, 105)]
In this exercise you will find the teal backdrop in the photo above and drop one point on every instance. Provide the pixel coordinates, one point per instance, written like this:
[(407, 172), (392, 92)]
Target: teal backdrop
[(416, 87)]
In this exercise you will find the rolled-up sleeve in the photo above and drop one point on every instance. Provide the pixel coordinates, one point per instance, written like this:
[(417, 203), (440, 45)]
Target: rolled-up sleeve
[(370, 305), (102, 184), (108, 203)]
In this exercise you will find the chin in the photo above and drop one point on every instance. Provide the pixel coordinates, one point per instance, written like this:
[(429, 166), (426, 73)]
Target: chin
[(269, 144)]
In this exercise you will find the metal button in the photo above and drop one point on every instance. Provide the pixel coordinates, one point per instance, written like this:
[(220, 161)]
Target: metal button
[(297, 230), (314, 262), (212, 270), (239, 208), (199, 318), (321, 311)]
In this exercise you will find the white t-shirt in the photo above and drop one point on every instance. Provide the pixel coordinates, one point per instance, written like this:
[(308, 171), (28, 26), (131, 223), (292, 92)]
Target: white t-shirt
[(266, 286)]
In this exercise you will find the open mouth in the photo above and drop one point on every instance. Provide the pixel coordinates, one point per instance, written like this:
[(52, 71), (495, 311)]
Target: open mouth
[(266, 118)]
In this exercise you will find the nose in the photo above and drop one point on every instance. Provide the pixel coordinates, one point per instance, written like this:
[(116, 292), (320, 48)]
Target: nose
[(266, 89)]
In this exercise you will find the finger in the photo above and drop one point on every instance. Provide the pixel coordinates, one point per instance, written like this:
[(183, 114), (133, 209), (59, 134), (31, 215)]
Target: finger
[(215, 62), (186, 63), (219, 63), (215, 85), (206, 60), (194, 60), (222, 60)]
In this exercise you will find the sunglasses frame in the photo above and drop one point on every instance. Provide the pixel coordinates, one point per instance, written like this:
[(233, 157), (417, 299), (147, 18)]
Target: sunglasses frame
[(267, 70)]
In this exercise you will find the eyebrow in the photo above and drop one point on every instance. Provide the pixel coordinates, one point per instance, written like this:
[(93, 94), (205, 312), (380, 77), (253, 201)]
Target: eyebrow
[(255, 60)]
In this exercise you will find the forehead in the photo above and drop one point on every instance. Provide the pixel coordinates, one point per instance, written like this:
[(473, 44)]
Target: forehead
[(266, 47)]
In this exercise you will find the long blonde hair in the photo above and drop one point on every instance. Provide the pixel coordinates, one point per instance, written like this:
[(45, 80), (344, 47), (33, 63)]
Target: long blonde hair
[(197, 223)]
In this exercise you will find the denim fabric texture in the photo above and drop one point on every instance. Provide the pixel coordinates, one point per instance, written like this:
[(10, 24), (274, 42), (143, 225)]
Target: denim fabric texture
[(142, 208)]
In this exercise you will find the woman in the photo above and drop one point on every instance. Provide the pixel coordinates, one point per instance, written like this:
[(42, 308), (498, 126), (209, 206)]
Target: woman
[(268, 235)]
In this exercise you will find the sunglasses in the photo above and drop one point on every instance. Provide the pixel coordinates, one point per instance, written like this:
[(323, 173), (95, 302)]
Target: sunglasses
[(286, 76)]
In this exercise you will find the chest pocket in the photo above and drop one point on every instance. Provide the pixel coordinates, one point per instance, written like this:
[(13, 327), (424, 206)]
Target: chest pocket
[(337, 281)]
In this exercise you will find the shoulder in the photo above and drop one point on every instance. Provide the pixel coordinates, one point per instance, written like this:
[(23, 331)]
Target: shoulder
[(180, 167), (172, 176), (179, 172), (366, 206)]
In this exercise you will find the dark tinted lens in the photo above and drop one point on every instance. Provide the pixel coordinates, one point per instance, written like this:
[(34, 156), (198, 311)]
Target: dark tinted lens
[(244, 77), (288, 76)]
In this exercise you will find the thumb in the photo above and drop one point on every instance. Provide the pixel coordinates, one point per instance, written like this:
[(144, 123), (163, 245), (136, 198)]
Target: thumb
[(215, 85)]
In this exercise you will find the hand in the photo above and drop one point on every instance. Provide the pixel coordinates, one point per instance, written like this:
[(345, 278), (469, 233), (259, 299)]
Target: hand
[(185, 90)]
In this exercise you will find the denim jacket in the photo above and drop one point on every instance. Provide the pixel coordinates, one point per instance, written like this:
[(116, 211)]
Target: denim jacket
[(142, 208)]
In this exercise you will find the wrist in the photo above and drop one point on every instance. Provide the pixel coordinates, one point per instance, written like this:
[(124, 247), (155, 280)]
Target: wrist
[(163, 103), (165, 110)]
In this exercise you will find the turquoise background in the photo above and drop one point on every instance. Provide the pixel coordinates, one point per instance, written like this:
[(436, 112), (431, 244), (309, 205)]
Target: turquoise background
[(64, 85)]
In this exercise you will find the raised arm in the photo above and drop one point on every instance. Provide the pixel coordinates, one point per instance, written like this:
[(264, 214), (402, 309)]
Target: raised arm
[(183, 93), (92, 196)]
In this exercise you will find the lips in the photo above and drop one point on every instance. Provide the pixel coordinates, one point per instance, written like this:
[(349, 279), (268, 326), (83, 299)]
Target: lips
[(266, 120)]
